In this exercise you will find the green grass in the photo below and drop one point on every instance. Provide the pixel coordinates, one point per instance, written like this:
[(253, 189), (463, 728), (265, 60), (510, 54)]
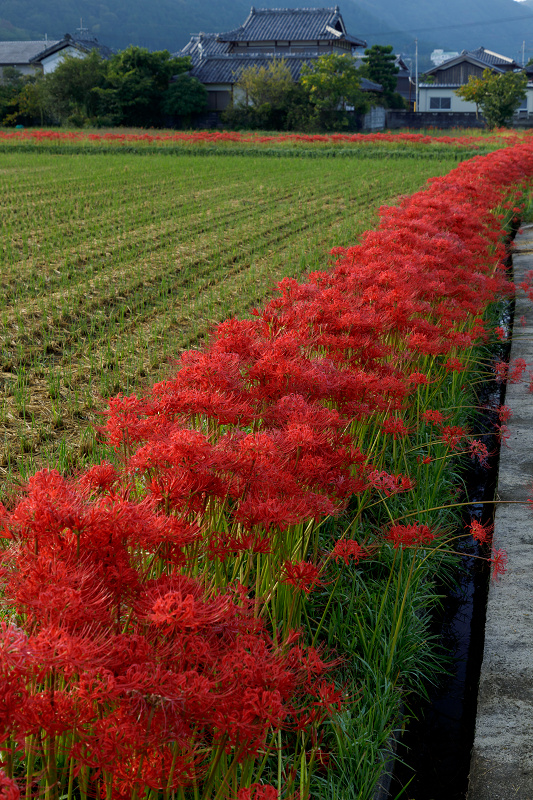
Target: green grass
[(112, 264)]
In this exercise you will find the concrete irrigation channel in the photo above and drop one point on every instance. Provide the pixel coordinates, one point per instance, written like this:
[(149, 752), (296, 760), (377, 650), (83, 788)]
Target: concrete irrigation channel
[(501, 766)]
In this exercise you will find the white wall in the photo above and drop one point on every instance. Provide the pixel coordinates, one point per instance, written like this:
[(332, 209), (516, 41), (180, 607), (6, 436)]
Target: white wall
[(52, 61), (427, 91), (456, 103)]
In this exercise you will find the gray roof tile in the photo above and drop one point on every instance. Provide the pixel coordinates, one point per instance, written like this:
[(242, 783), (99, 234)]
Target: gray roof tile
[(227, 69), (491, 58), (85, 45)]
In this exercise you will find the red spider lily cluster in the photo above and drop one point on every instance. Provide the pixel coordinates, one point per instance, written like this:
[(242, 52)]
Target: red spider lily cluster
[(233, 137), (152, 648)]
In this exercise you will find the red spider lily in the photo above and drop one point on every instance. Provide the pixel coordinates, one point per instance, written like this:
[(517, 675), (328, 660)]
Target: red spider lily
[(499, 561), (181, 609), (504, 414), (478, 450), (349, 550), (101, 477), (512, 372), (301, 575), (258, 791), (389, 484), (503, 433), (453, 435), (414, 535), (395, 426), (516, 370), (329, 697), (52, 590), (223, 545), (8, 788), (527, 286), (481, 533), (433, 416), (501, 371), (418, 379), (282, 510), (454, 365)]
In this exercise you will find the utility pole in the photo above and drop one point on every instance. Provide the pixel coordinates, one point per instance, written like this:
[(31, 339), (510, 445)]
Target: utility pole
[(524, 53), (416, 74)]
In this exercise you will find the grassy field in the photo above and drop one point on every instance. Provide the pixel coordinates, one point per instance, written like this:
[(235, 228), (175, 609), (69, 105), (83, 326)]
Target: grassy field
[(112, 264)]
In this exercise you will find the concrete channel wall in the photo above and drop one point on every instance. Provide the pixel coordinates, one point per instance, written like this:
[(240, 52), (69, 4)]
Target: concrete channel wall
[(502, 757)]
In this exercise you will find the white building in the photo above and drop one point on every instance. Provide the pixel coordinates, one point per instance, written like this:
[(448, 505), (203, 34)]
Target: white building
[(44, 56)]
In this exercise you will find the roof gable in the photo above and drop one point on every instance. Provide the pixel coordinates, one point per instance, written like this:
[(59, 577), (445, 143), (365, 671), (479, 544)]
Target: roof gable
[(83, 45), (481, 58)]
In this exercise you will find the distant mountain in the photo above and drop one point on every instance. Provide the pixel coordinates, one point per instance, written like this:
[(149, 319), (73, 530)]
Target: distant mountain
[(500, 25)]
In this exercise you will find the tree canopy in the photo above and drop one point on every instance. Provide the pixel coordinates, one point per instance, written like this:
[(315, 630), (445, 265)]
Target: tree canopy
[(135, 82), (266, 84), (497, 95), (135, 87), (184, 97), (333, 86), (263, 97)]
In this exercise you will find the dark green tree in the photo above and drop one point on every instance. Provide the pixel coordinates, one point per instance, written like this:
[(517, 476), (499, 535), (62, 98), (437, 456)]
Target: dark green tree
[(136, 82), (379, 66), (34, 102), (10, 88), (185, 97)]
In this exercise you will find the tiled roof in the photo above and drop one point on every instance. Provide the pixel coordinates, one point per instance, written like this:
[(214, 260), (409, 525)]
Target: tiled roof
[(227, 69), (22, 52), (292, 24)]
